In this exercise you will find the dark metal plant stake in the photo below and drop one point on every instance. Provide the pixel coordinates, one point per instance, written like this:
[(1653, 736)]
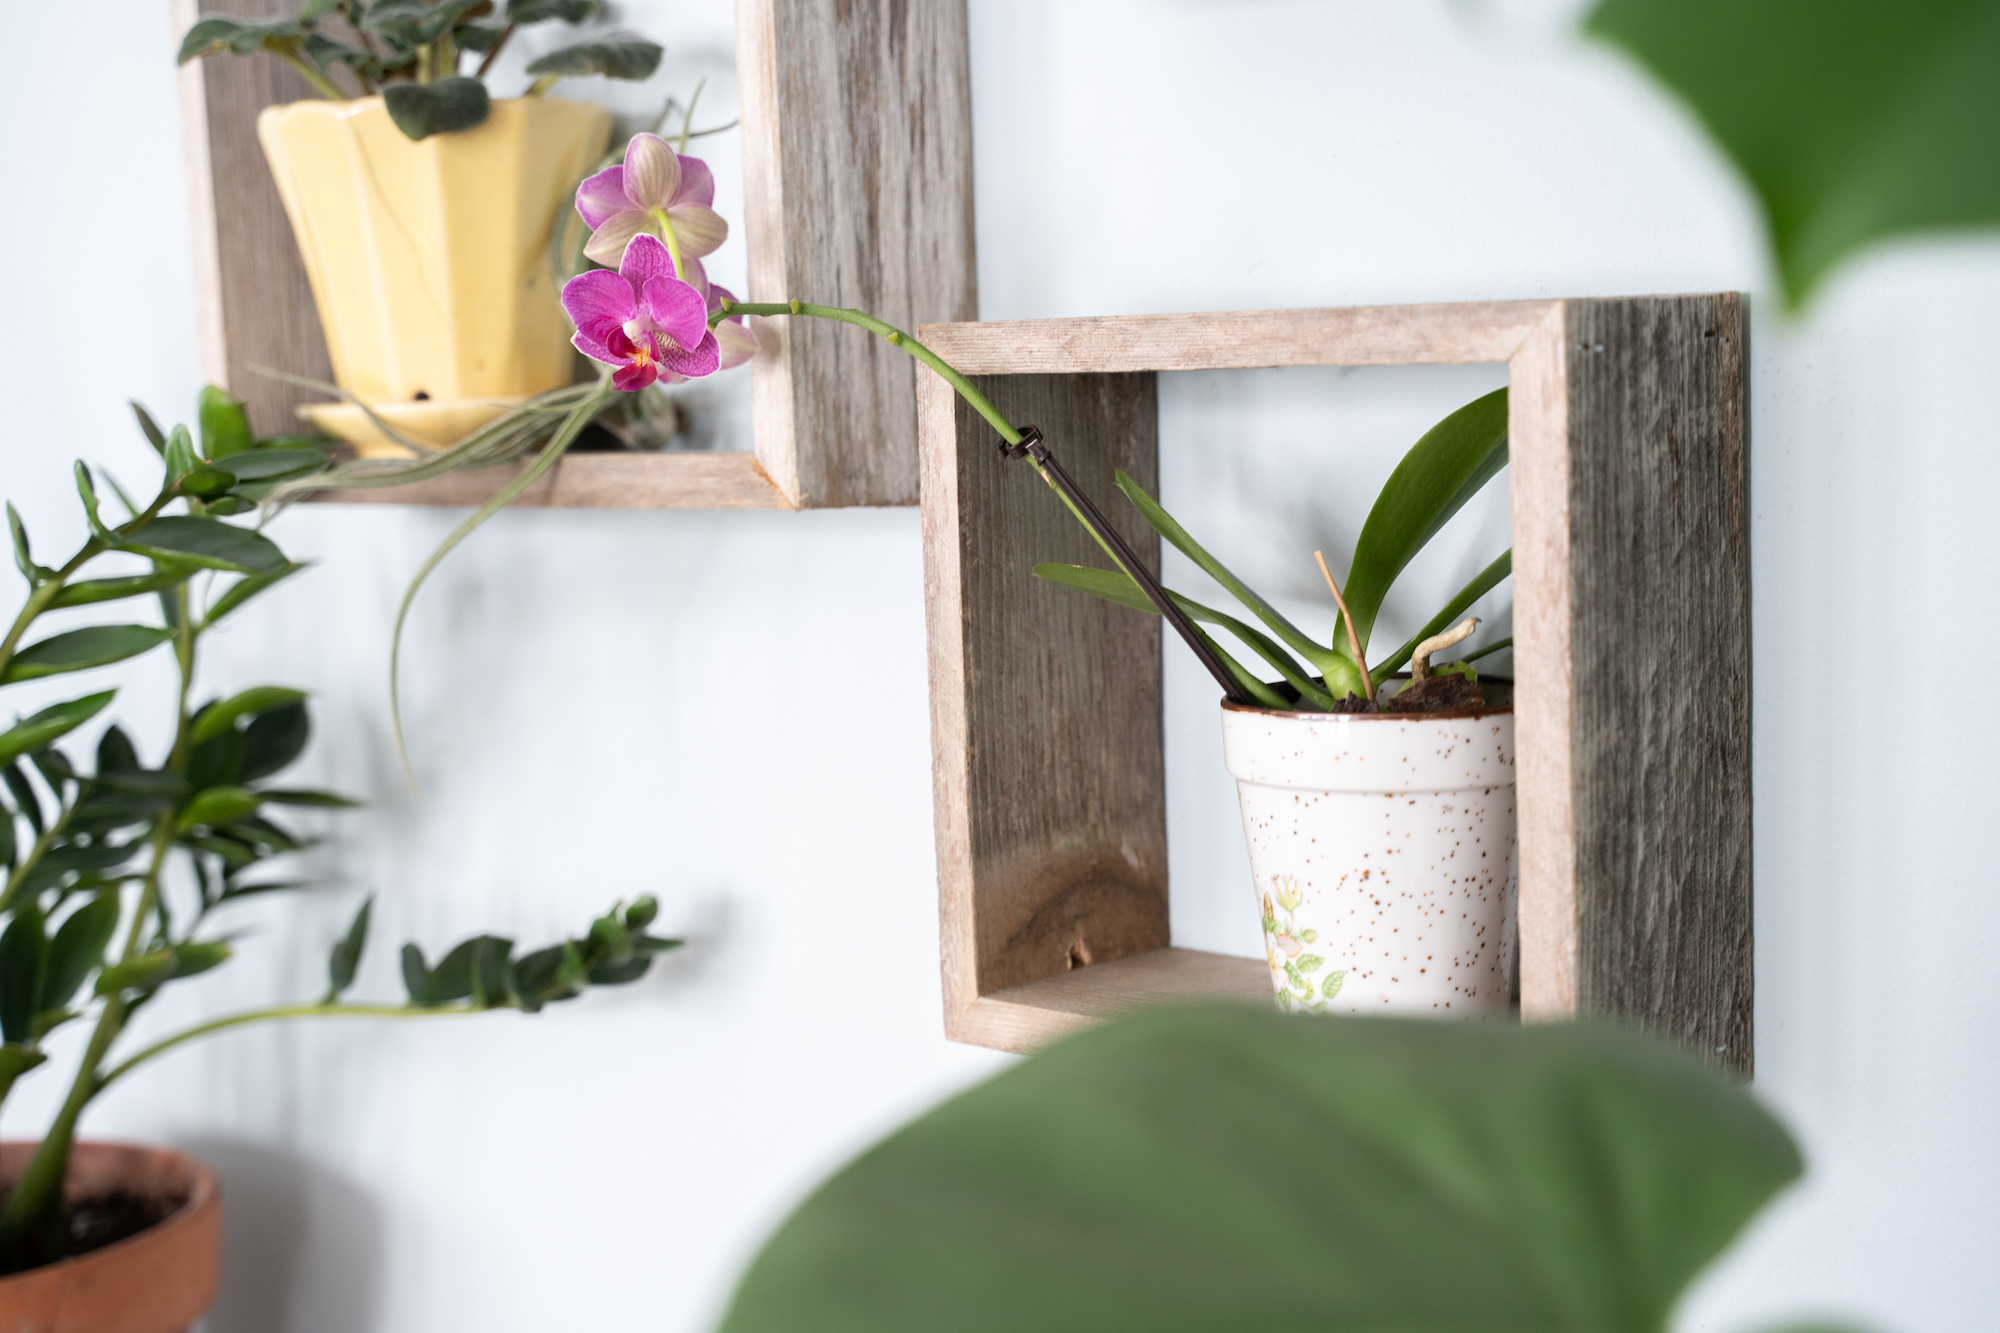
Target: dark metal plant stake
[(1031, 446)]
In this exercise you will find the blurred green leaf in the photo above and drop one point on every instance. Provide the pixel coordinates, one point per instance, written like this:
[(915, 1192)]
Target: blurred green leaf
[(88, 591), (244, 589), (273, 741), (14, 1062), (346, 955), (539, 11), (78, 950), (642, 912), (1230, 1168), (206, 482), (142, 973), (300, 796), (24, 951), (217, 762), (194, 957), (271, 464), (149, 427), (416, 976), (414, 23), (80, 649), (216, 34), (218, 805), (1447, 467), (25, 799), (617, 55), (209, 543), (448, 105), (180, 455), (218, 717), (1854, 121), (51, 724), (477, 38), (225, 426)]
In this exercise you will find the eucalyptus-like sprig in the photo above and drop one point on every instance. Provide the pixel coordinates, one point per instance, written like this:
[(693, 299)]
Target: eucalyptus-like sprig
[(412, 52), (120, 873)]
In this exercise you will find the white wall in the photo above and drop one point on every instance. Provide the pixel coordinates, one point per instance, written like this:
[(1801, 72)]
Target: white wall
[(728, 710)]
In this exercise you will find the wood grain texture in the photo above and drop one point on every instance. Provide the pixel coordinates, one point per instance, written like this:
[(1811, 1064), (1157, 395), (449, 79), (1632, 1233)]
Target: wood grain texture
[(1659, 575), (599, 481), (1027, 1016), (1046, 727), (1538, 450), (1241, 340), (253, 304), (857, 148)]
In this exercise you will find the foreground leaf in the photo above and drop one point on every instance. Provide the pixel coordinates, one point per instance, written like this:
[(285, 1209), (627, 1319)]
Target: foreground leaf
[(1229, 1168), (80, 649), (78, 950), (51, 724), (210, 543), (1853, 120), (346, 955), (225, 426), (24, 952), (218, 717), (421, 110)]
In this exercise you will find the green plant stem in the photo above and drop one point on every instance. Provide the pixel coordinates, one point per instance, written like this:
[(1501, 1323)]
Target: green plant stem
[(673, 241), (424, 71), (687, 121), (284, 1011), (35, 854), (306, 71)]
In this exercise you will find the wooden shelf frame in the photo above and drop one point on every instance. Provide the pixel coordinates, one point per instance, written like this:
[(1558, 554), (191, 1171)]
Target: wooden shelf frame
[(1631, 563), (857, 146)]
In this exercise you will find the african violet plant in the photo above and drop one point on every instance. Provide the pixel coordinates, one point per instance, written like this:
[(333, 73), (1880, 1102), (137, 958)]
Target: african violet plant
[(119, 873), (411, 51)]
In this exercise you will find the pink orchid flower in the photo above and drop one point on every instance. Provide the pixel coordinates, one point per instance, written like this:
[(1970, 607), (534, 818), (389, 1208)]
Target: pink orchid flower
[(642, 319), (733, 338), (655, 185)]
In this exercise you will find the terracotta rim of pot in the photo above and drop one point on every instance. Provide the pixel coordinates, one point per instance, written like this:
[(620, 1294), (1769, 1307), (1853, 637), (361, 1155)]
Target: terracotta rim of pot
[(1451, 715), (163, 1278)]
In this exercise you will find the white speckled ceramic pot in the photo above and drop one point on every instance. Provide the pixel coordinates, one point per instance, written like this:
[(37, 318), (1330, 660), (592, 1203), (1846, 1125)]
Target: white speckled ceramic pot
[(1383, 851)]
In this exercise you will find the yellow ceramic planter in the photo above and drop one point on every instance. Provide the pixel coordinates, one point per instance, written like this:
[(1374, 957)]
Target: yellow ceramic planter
[(430, 260)]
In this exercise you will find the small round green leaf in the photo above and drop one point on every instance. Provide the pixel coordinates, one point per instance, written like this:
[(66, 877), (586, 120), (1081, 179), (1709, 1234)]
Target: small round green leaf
[(618, 55), (421, 110)]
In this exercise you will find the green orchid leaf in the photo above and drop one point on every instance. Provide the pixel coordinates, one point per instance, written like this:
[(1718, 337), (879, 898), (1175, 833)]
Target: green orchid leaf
[(1854, 121), (81, 649), (14, 1062), (540, 11), (423, 109), (1490, 648), (617, 55), (78, 950), (24, 952), (149, 427), (1226, 1167), (1164, 524), (244, 589), (216, 35), (1451, 463), (225, 426), (218, 717), (217, 806), (273, 741), (89, 591), (209, 543), (50, 725), (1482, 583), (346, 955), (1115, 585)]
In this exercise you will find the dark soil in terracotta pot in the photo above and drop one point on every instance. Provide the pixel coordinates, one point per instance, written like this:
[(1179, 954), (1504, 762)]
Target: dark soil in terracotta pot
[(92, 1224)]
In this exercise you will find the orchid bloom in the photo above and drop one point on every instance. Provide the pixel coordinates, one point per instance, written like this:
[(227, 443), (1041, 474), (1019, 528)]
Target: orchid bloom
[(642, 319), (657, 192), (735, 341)]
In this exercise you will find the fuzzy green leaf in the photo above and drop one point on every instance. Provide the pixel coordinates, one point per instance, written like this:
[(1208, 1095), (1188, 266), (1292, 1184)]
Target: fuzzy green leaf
[(540, 11), (618, 55), (421, 110), (216, 35), (346, 955), (414, 23)]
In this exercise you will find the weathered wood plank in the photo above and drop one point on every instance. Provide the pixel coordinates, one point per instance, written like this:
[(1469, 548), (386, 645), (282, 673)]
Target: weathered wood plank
[(1244, 339), (1046, 728), (1027, 1016), (253, 304), (599, 481), (857, 153), (1659, 574)]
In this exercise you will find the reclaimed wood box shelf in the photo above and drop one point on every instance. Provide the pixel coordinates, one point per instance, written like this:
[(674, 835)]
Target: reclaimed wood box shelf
[(1631, 563), (857, 146)]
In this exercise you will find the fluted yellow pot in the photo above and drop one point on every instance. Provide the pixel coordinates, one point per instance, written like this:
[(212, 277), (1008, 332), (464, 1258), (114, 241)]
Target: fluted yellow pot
[(430, 260)]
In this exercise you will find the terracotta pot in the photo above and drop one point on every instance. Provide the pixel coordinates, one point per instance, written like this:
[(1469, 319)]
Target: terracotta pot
[(159, 1281), (1382, 847)]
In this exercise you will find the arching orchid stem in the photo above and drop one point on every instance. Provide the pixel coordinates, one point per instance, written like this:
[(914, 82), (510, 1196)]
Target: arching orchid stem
[(1353, 639)]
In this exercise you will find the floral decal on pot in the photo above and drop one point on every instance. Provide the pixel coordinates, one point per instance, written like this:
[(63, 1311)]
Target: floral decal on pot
[(1284, 946)]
